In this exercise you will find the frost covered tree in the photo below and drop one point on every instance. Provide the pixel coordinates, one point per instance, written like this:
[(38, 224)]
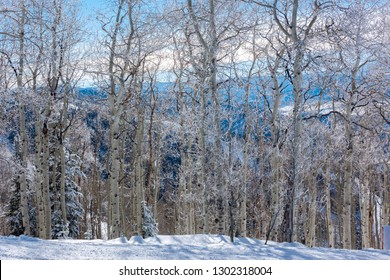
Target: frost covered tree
[(266, 119), (13, 213), (149, 225), (69, 228), (15, 21), (357, 36), (43, 33)]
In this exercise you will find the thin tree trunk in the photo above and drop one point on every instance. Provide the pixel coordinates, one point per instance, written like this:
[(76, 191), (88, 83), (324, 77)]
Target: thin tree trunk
[(62, 161), (140, 193), (365, 209), (347, 203), (22, 119), (45, 185), (150, 167), (114, 178), (38, 178), (156, 185), (312, 212), (329, 221)]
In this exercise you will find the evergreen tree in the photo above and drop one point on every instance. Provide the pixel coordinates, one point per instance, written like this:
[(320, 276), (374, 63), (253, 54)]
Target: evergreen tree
[(13, 210), (149, 225), (13, 213), (74, 208)]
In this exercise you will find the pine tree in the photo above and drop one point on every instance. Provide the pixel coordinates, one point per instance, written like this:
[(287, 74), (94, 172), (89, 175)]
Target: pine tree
[(149, 225), (13, 213), (74, 208)]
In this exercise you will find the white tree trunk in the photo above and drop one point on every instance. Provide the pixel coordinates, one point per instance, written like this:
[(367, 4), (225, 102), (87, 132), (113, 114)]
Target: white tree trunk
[(329, 221), (347, 202), (312, 213), (114, 173), (62, 160), (22, 119), (38, 178), (140, 192), (45, 183)]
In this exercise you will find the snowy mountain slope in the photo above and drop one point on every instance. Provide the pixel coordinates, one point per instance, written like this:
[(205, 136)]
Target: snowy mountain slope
[(187, 247)]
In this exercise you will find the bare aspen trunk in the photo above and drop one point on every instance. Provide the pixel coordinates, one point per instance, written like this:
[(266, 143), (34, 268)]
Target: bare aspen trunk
[(263, 219), (54, 157), (183, 188), (40, 220), (122, 201), (347, 203), (97, 221), (231, 200), (275, 160), (22, 120), (150, 168), (62, 160), (133, 188), (140, 193), (329, 221), (114, 177), (312, 186), (183, 159), (243, 192), (339, 205), (23, 180), (45, 183), (293, 234), (365, 208), (202, 162), (133, 196), (191, 204), (116, 109), (312, 213), (156, 186), (38, 178)]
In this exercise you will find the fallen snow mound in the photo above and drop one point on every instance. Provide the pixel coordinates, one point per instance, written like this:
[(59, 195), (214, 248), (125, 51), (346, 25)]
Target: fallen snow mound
[(196, 239), (167, 247)]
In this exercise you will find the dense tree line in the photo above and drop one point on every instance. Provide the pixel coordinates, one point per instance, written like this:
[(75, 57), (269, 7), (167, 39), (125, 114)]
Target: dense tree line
[(266, 119)]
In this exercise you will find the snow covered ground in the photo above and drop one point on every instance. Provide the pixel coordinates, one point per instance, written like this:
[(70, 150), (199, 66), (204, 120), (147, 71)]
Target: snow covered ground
[(187, 247)]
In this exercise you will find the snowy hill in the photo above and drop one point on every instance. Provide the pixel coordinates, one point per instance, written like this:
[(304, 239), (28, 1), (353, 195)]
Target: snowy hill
[(187, 247)]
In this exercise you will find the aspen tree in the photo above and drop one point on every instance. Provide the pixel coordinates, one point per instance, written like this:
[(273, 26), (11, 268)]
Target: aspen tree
[(22, 116), (286, 15)]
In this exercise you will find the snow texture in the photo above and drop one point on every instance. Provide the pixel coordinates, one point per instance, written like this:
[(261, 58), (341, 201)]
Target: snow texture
[(186, 247)]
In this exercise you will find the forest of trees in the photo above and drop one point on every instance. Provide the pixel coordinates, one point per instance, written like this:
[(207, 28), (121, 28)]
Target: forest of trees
[(267, 119)]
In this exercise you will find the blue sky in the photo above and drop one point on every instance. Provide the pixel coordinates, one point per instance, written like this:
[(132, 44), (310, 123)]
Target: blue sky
[(92, 3), (89, 6)]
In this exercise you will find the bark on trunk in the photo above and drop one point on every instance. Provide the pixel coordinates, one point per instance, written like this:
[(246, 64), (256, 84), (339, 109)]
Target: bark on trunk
[(22, 119)]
